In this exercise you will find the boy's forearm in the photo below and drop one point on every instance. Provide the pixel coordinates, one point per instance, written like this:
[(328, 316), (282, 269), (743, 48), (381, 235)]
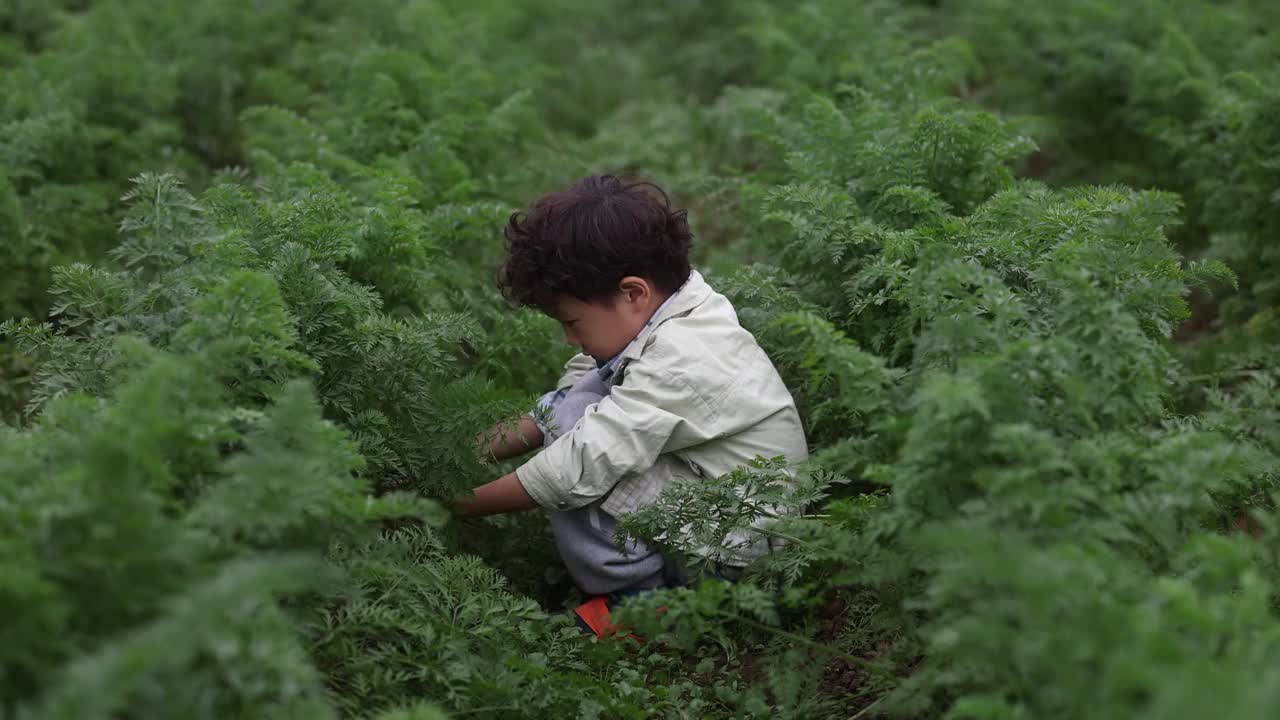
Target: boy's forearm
[(504, 495), (504, 442)]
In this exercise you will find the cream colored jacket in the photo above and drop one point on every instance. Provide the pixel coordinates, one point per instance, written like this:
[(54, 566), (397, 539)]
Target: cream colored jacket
[(694, 396)]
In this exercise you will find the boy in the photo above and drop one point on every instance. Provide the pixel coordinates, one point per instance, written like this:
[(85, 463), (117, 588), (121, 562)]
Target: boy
[(668, 385)]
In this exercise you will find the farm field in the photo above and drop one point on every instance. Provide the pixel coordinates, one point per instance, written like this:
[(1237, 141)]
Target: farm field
[(1018, 266)]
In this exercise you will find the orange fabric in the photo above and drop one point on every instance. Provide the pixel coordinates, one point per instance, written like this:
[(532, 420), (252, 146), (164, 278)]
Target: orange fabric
[(1247, 525), (595, 613)]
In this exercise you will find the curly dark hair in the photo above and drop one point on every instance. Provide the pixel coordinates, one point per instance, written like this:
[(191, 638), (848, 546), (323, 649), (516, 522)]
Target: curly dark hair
[(582, 241)]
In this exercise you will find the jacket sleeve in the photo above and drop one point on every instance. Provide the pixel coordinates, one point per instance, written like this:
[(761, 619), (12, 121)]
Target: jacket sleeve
[(577, 366), (652, 413), (574, 369)]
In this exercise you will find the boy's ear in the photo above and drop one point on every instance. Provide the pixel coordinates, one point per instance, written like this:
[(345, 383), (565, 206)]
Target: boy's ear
[(635, 289)]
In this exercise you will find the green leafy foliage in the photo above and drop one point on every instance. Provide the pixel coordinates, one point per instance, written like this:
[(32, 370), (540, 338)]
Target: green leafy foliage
[(1180, 95), (251, 335)]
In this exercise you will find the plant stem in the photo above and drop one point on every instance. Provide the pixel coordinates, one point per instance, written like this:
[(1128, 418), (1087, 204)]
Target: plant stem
[(800, 639)]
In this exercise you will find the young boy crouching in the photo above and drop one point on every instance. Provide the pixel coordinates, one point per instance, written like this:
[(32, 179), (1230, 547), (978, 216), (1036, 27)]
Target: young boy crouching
[(668, 386)]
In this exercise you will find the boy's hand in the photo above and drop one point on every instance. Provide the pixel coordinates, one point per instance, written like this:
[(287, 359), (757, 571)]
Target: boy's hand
[(504, 495)]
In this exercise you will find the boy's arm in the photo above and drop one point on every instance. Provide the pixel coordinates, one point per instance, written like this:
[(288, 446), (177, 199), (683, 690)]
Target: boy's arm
[(505, 441), (574, 369), (504, 495), (651, 413)]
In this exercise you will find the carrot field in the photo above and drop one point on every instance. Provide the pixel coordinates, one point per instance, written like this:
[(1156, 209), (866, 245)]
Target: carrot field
[(1018, 264)]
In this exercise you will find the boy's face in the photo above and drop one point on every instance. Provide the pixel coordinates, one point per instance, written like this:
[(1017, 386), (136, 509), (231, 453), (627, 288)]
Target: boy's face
[(603, 328)]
